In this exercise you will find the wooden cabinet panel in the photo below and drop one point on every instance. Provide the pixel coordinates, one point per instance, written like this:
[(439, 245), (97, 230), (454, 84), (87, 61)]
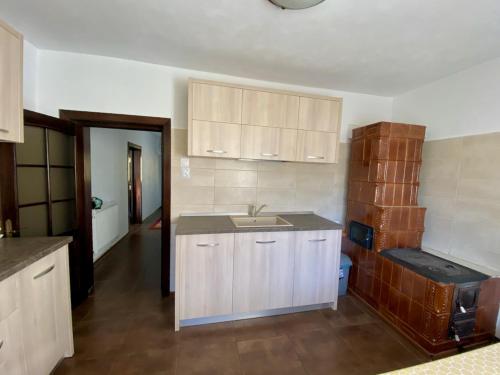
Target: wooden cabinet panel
[(263, 271), (46, 312), (265, 108), (9, 296), (215, 139), (319, 114), (11, 91), (216, 103), (258, 142), (317, 147), (12, 359), (204, 279), (316, 275)]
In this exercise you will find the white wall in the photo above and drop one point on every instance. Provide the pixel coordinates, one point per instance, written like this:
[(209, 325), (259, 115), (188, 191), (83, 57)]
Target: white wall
[(30, 72), (466, 103), (109, 169), (96, 83)]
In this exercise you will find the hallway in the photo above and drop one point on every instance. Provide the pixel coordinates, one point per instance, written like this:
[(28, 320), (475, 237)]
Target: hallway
[(125, 327)]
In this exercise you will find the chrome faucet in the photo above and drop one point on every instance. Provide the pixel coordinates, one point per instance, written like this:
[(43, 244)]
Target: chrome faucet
[(254, 211)]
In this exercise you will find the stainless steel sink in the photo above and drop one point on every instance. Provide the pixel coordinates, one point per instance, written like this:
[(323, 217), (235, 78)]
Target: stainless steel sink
[(259, 222)]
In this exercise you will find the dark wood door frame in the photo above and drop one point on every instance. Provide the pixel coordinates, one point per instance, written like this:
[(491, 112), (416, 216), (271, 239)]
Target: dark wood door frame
[(83, 122), (136, 183)]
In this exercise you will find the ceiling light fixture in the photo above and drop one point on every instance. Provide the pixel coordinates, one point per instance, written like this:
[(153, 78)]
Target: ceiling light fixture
[(295, 4)]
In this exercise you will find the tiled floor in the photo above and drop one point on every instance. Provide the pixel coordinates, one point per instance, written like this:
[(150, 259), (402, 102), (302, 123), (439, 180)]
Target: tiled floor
[(127, 328)]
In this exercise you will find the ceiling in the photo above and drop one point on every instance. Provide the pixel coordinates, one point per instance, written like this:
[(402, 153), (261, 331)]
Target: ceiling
[(382, 47)]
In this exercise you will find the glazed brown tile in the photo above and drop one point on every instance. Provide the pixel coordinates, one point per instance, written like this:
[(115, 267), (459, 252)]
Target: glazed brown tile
[(396, 275), (407, 282)]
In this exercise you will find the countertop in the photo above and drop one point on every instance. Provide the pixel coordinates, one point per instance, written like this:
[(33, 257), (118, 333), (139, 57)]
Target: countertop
[(433, 267), (223, 224), (18, 253)]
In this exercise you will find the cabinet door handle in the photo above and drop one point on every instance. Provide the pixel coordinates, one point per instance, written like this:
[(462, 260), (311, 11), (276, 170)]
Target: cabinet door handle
[(217, 151), (1, 344), (315, 157), (264, 242), (318, 240), (2, 130), (43, 273), (207, 244), (268, 154)]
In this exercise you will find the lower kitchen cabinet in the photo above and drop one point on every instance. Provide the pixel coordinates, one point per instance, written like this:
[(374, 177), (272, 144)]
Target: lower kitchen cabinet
[(233, 275), (35, 317), (204, 279), (12, 359), (263, 271), (317, 258), (46, 311)]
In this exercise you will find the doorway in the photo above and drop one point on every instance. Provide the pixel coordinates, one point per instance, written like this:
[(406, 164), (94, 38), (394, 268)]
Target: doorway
[(83, 122), (134, 183)]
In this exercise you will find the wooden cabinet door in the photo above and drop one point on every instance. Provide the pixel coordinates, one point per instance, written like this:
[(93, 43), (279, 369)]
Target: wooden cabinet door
[(204, 280), (263, 271), (12, 359), (319, 114), (258, 142), (11, 91), (264, 108), (215, 139), (216, 103), (316, 275), (316, 147), (46, 312)]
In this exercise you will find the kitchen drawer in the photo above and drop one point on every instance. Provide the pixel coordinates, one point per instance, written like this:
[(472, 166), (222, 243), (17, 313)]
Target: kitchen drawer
[(9, 296)]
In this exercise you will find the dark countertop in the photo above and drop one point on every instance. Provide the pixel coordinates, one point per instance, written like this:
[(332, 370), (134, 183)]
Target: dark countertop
[(18, 253), (223, 224), (433, 267)]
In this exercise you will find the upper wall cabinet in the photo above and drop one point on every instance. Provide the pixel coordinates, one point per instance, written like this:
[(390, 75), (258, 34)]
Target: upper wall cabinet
[(264, 108), (11, 84), (216, 103), (319, 115), (233, 121)]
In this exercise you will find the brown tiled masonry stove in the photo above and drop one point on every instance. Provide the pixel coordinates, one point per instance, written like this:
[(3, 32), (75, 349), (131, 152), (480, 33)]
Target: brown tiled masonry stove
[(382, 214)]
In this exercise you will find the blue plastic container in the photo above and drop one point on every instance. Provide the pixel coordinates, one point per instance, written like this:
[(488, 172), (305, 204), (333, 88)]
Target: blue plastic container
[(345, 266)]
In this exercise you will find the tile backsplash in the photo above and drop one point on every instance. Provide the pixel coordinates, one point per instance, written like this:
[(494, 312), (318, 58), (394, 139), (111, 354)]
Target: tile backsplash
[(224, 185), (460, 186)]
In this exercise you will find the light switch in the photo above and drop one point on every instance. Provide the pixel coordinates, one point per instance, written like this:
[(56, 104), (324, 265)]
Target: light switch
[(185, 170)]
